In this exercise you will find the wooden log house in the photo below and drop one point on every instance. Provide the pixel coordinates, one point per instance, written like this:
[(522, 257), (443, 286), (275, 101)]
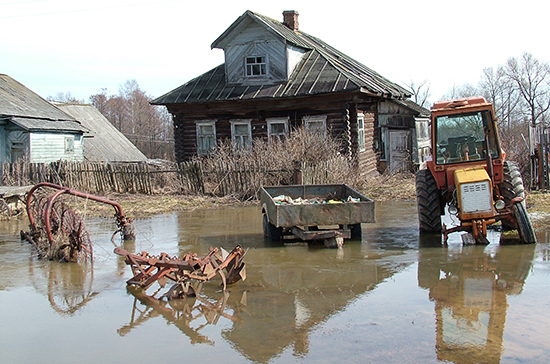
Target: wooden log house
[(276, 77)]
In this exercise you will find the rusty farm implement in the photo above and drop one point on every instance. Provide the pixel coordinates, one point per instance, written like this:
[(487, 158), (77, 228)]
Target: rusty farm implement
[(188, 272), (56, 230)]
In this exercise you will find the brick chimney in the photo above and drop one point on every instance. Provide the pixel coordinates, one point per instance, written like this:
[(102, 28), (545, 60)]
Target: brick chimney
[(290, 19)]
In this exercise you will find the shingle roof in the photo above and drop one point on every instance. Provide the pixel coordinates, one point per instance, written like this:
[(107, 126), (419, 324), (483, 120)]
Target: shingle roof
[(104, 143), (30, 111), (323, 69)]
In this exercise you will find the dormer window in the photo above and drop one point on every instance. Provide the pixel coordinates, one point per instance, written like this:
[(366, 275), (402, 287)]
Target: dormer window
[(256, 66)]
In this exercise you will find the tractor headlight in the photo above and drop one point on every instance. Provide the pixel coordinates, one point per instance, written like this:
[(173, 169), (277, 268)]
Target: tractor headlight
[(500, 204), (453, 210)]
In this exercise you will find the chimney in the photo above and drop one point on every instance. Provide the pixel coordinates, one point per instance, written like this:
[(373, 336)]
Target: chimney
[(290, 19)]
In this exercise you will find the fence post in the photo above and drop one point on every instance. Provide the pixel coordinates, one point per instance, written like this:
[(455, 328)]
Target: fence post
[(297, 174)]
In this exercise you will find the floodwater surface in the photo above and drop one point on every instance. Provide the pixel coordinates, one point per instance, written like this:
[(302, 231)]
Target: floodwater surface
[(389, 297)]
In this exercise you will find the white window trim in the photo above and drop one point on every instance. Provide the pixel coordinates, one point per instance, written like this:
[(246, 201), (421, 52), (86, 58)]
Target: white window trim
[(202, 123), (308, 120), (270, 121), (361, 145), (246, 75), (235, 122)]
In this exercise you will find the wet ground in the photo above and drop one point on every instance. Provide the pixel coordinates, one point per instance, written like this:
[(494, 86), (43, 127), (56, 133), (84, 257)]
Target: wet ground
[(389, 297)]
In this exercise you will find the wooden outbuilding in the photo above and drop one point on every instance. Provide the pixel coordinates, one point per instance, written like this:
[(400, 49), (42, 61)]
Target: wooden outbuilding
[(33, 129), (275, 78)]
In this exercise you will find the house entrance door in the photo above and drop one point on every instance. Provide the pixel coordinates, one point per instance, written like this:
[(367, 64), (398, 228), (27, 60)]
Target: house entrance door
[(399, 148)]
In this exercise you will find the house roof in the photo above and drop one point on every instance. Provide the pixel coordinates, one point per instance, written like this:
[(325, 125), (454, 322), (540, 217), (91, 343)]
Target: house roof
[(29, 111), (323, 69), (104, 142)]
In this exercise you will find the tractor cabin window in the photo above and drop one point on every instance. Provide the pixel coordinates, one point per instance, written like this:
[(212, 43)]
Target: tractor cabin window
[(256, 66), (206, 137), (241, 134), (461, 138), (277, 128)]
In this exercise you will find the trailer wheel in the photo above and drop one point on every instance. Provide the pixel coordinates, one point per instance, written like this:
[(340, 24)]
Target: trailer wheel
[(511, 187), (525, 228), (271, 232), (355, 230), (427, 201)]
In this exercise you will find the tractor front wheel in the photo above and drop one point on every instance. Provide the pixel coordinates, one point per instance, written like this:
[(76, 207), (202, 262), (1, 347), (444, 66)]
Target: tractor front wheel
[(427, 200), (525, 228)]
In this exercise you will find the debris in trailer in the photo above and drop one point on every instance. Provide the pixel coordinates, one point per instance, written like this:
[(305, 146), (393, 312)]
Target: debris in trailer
[(188, 272), (287, 200), (57, 232)]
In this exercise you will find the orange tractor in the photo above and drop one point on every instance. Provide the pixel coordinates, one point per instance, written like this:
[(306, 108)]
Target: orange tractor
[(467, 175)]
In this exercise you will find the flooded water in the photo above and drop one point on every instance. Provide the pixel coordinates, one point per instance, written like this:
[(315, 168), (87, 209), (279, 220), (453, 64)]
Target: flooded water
[(389, 297)]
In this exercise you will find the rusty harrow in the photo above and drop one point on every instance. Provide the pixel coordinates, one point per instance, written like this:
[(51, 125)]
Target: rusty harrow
[(188, 272), (57, 232)]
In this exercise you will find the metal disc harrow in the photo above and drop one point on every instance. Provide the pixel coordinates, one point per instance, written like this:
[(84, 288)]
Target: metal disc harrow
[(188, 272)]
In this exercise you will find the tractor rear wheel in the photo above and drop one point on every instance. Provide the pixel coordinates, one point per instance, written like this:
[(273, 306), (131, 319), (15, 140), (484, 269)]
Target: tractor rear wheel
[(427, 200)]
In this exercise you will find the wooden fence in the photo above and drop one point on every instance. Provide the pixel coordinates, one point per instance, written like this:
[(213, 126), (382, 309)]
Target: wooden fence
[(222, 178)]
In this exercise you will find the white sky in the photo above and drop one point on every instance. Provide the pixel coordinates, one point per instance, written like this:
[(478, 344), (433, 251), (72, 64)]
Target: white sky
[(75, 46)]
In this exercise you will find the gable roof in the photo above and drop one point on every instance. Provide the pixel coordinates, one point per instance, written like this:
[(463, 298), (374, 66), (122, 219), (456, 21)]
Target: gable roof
[(323, 69), (104, 142), (28, 110)]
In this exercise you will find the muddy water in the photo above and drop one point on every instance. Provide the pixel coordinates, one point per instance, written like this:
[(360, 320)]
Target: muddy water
[(389, 297)]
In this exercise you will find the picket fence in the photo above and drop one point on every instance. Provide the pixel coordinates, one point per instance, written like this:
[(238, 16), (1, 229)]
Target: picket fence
[(242, 179)]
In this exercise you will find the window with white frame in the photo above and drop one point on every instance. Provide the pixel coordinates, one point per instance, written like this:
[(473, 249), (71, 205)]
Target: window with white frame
[(277, 128), (256, 66), (69, 144), (316, 123), (206, 136), (241, 133), (361, 131)]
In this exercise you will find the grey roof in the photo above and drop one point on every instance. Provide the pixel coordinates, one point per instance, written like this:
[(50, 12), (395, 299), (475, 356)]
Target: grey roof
[(29, 111), (323, 69), (422, 111), (104, 142)]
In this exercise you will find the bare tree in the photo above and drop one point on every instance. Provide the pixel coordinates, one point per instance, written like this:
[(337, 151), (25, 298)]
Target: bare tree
[(420, 92), (64, 97), (532, 79), (148, 127)]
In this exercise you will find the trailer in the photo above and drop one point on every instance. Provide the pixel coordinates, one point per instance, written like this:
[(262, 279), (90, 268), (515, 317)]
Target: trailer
[(327, 213)]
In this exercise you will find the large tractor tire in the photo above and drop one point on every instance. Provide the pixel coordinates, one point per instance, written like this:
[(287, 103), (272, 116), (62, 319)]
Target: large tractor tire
[(427, 200), (525, 228), (512, 187)]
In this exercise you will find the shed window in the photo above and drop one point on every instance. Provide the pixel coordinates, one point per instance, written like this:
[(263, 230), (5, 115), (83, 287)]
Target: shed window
[(241, 133), (206, 137), (277, 128), (361, 132), (256, 66), (69, 144)]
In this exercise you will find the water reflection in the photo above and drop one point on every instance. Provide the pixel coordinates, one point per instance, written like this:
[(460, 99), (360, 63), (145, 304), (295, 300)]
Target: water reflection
[(469, 286)]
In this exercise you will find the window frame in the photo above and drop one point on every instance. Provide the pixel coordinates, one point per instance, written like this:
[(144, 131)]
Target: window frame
[(234, 137), (265, 67), (316, 119), (277, 120), (198, 125), (361, 132)]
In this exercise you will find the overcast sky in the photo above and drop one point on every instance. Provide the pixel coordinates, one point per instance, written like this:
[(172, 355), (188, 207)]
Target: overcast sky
[(80, 47)]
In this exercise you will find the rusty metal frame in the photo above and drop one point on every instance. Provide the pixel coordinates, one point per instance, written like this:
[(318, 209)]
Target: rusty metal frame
[(148, 269)]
